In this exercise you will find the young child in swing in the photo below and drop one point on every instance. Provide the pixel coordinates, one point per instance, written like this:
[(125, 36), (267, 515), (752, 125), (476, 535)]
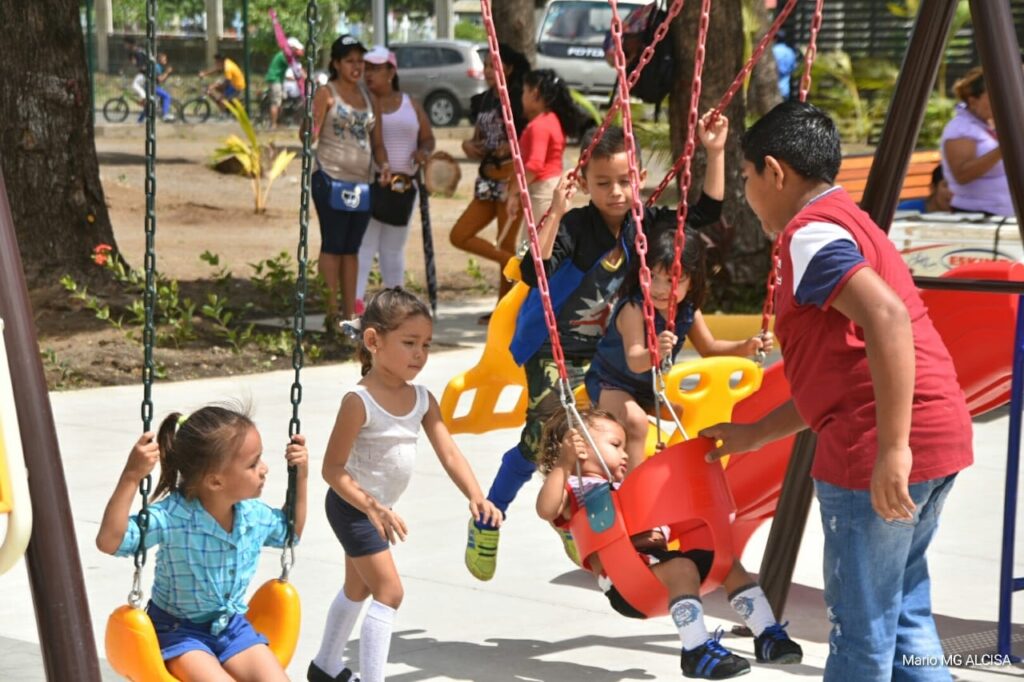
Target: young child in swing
[(681, 572), (586, 252), (872, 377), (210, 525), (619, 378), (368, 464)]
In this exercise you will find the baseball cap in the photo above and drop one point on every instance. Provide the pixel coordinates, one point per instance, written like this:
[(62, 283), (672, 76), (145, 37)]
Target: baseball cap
[(381, 55), (296, 45), (345, 44)]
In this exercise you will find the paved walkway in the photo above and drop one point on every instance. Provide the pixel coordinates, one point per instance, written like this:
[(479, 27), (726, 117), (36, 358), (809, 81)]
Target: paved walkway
[(539, 619)]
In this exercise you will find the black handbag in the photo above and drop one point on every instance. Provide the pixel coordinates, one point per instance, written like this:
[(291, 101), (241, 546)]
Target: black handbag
[(392, 204)]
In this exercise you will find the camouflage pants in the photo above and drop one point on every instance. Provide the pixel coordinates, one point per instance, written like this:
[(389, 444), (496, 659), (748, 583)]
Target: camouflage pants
[(543, 398)]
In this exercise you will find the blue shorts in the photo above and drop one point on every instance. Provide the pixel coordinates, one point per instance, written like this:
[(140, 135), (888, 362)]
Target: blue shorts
[(230, 91), (178, 636), (352, 527), (341, 232), (596, 383)]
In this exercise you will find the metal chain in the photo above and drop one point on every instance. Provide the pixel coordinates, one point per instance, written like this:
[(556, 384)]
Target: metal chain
[(531, 227), (636, 209), (812, 50), (302, 279), (149, 293), (645, 58), (776, 261), (726, 99), (687, 176)]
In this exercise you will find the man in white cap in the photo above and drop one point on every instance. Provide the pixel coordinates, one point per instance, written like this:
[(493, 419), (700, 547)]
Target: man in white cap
[(276, 76)]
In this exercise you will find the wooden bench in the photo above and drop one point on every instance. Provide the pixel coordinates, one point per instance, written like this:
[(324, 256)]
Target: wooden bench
[(853, 174)]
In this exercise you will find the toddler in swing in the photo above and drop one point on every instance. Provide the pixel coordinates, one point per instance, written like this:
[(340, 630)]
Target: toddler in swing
[(210, 525), (368, 464), (563, 449), (586, 253)]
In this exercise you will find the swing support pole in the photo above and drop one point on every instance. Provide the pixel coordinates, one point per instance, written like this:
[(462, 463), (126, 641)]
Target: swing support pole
[(881, 194), (54, 566)]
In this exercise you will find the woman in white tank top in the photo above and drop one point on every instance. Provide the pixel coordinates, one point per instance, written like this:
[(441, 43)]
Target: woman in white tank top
[(406, 141)]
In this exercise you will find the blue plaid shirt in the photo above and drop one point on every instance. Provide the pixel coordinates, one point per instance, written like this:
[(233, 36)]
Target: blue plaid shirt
[(202, 571)]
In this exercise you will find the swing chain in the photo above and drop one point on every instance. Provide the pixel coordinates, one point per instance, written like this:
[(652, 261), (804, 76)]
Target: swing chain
[(737, 83), (776, 261), (573, 177), (812, 50), (149, 292), (636, 209), (302, 279), (688, 150), (531, 227)]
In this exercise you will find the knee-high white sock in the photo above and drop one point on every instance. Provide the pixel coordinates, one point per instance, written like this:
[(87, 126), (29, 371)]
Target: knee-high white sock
[(341, 619), (375, 642), (687, 613), (749, 601)]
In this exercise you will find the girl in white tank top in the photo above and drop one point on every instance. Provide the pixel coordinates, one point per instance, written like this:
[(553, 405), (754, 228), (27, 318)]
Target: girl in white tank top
[(368, 464)]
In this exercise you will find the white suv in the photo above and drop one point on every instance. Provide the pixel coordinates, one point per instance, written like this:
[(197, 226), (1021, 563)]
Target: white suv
[(571, 41)]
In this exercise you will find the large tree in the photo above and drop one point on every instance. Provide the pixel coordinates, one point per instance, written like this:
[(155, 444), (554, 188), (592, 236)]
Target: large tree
[(514, 24), (47, 149), (748, 256)]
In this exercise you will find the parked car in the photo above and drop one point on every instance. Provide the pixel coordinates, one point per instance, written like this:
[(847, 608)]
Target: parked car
[(443, 74), (571, 41)]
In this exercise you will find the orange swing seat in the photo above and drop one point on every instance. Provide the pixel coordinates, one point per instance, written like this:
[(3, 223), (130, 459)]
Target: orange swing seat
[(134, 653)]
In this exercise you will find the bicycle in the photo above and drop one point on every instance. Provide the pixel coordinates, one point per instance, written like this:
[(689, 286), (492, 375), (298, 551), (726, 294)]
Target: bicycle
[(197, 108), (117, 109)]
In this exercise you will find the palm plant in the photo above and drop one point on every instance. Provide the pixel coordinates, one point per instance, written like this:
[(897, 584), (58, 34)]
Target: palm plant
[(249, 155)]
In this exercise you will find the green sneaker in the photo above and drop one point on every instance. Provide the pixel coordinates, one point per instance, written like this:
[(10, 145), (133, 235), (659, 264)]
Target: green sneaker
[(481, 552), (569, 545)]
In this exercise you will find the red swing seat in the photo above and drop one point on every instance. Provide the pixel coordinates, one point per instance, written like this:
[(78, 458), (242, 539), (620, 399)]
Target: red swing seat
[(651, 496)]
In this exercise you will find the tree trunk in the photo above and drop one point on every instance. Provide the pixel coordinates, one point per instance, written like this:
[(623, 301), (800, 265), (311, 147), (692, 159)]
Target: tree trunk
[(513, 21), (47, 148), (748, 256), (763, 92)]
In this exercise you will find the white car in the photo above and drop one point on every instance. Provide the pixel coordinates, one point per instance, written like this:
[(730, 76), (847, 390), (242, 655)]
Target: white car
[(571, 41)]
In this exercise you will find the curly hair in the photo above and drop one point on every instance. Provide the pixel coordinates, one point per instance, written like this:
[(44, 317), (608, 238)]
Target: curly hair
[(557, 427)]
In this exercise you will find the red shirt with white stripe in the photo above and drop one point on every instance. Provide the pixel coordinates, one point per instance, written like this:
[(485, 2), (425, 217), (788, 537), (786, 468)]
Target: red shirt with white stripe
[(826, 364)]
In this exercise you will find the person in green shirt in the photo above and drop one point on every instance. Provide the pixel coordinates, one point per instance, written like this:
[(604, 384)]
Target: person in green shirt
[(276, 77)]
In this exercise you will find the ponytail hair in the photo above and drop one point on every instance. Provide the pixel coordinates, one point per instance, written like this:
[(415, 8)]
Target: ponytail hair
[(194, 445), (971, 85), (555, 94), (385, 312)]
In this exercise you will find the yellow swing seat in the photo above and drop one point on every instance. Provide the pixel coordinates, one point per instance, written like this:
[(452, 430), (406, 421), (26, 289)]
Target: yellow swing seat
[(134, 653)]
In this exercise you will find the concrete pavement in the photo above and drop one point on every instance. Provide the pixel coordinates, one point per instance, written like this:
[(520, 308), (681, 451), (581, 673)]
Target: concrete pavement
[(540, 618)]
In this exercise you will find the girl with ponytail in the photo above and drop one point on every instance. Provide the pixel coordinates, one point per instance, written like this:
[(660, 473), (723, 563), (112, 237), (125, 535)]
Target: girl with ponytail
[(368, 464), (553, 117), (210, 524)]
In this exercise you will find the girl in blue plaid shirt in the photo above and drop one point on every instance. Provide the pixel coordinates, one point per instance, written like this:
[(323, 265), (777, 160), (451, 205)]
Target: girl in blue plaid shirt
[(210, 526)]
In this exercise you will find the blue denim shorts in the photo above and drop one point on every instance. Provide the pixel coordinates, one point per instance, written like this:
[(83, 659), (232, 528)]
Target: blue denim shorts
[(178, 636)]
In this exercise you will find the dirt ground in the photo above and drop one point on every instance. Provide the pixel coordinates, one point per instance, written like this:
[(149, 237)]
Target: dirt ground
[(200, 210)]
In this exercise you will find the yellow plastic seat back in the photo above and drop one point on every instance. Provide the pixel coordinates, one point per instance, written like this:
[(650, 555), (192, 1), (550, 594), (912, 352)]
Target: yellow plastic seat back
[(707, 390), (495, 372), (134, 652), (15, 502), (132, 647), (276, 613)]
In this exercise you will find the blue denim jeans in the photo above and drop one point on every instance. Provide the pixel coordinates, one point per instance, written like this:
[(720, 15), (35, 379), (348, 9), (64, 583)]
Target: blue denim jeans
[(877, 589)]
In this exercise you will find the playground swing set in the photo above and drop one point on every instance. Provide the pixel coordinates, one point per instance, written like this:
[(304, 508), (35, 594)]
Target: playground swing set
[(727, 502)]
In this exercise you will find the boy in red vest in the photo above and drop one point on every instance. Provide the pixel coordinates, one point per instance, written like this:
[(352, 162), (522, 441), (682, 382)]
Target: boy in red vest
[(871, 376)]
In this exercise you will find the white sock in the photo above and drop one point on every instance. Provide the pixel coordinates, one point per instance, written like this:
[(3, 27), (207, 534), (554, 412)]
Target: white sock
[(341, 618), (753, 607), (375, 642), (688, 614)]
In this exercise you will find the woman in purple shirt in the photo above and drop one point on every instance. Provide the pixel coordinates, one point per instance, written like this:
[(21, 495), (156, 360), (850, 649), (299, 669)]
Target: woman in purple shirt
[(971, 159)]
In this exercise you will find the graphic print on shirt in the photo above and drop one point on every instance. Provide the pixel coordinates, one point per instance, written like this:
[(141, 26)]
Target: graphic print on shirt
[(357, 129)]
